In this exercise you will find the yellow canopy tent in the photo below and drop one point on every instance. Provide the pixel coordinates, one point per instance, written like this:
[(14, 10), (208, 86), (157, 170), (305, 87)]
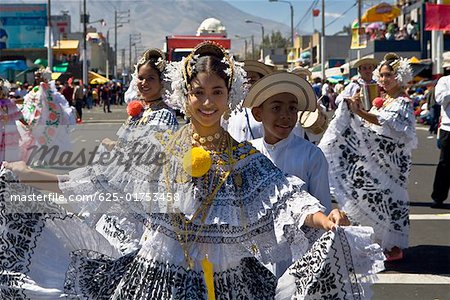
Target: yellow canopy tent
[(66, 47), (95, 78), (382, 12), (414, 60)]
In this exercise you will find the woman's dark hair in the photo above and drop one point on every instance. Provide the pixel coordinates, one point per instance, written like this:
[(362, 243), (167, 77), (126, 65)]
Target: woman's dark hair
[(210, 64), (390, 60), (152, 58)]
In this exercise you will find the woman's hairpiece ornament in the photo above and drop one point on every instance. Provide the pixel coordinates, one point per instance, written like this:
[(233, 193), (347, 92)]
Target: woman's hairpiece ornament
[(399, 65), (178, 73), (154, 54)]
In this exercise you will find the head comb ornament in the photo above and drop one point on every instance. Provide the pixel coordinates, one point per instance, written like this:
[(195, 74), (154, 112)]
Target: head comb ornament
[(178, 73), (157, 55), (401, 68)]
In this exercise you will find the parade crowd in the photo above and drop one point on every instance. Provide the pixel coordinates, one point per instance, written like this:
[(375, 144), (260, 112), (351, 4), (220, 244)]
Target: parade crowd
[(234, 204)]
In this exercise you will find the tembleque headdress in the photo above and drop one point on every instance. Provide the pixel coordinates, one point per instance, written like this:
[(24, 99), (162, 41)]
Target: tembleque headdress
[(177, 73), (400, 66)]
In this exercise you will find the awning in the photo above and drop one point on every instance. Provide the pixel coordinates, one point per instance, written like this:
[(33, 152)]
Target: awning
[(16, 65), (41, 62), (95, 78), (93, 37), (66, 47), (55, 75), (61, 68)]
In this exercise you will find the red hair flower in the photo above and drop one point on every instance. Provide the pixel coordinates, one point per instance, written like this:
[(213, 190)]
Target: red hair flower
[(378, 102), (134, 108)]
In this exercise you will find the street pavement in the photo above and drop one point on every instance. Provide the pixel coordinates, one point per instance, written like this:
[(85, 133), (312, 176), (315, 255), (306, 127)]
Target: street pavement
[(423, 274)]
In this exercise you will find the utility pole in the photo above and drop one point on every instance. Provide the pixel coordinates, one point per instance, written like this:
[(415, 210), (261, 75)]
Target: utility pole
[(437, 49), (120, 18), (134, 38), (123, 60), (49, 24), (359, 28), (253, 47), (85, 21), (322, 41)]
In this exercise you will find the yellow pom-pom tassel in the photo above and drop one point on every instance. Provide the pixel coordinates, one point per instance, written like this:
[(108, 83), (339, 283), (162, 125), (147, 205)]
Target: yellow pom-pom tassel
[(196, 162)]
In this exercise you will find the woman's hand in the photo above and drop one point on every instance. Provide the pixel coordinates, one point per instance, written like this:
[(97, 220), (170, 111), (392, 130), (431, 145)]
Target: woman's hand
[(355, 105), (108, 143), (19, 168), (338, 217)]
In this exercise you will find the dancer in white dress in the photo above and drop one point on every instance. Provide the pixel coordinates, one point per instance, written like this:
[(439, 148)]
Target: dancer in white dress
[(370, 157), (207, 238)]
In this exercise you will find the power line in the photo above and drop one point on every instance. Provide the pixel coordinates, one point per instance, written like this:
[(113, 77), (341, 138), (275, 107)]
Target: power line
[(313, 4), (343, 14)]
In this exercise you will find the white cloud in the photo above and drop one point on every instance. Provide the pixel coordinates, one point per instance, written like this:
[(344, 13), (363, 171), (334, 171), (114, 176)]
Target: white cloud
[(333, 15)]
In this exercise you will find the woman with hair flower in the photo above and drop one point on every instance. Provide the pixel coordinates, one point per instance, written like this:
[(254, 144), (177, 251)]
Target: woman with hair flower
[(146, 105), (227, 211), (370, 157), (148, 113)]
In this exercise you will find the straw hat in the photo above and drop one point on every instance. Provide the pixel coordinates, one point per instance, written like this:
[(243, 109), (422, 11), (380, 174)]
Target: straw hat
[(302, 72), (258, 67), (365, 61), (282, 82)]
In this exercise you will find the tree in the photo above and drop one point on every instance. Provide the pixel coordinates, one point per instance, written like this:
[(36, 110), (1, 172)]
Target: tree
[(275, 40)]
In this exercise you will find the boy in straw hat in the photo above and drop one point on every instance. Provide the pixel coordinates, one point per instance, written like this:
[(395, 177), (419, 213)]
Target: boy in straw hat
[(275, 101), (242, 126), (365, 66)]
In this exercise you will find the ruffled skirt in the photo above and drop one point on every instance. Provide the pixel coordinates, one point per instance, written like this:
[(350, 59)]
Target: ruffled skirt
[(49, 253), (368, 177)]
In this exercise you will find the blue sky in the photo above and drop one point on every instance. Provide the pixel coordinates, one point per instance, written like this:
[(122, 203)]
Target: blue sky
[(337, 12)]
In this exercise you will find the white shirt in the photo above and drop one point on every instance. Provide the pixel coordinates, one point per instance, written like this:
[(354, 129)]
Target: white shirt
[(296, 156), (442, 93), (242, 126)]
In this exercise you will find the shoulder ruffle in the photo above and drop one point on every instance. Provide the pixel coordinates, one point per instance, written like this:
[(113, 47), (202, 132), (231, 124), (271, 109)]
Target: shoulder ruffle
[(399, 116)]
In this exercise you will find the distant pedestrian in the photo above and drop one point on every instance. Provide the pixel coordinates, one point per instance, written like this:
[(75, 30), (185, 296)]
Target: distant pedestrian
[(78, 96), (441, 183), (105, 96)]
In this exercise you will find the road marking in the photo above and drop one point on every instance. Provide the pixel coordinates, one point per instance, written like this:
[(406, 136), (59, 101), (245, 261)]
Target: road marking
[(412, 279), (422, 128), (429, 217)]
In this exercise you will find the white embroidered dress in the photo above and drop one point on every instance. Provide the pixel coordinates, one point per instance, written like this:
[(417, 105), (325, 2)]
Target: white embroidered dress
[(254, 217), (370, 165)]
